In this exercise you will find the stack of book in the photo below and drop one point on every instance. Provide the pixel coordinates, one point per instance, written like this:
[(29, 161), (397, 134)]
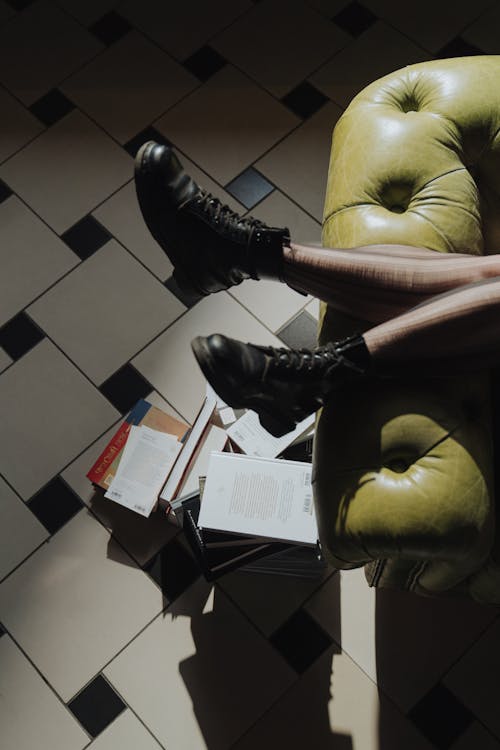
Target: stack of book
[(242, 496)]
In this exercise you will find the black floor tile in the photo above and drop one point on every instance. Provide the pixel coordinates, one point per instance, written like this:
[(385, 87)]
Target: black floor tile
[(149, 134), (458, 47), (2, 631), (441, 717), (19, 335), (187, 298), (96, 706), (55, 504), (354, 18), (52, 107), (125, 387), (304, 100), (5, 191), (86, 237), (110, 28), (204, 63), (249, 187), (301, 641), (19, 4), (301, 333), (173, 569)]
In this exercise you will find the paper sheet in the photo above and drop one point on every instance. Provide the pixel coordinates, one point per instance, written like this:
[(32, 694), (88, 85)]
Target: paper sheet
[(248, 433), (147, 459)]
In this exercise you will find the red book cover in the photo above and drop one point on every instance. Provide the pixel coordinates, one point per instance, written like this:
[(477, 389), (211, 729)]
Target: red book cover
[(104, 469)]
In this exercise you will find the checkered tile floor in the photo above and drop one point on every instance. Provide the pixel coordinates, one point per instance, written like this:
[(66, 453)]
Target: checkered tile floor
[(109, 638)]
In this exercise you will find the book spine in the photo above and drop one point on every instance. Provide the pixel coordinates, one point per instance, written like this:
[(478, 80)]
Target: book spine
[(98, 471)]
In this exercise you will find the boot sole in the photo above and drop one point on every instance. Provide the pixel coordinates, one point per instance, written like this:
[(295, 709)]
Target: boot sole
[(151, 208), (271, 420)]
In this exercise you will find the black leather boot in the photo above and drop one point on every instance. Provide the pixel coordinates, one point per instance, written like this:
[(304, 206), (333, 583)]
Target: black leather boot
[(211, 247), (282, 385)]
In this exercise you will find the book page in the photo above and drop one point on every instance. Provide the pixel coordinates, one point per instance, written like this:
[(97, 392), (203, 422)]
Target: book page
[(259, 496), (249, 435), (147, 459)]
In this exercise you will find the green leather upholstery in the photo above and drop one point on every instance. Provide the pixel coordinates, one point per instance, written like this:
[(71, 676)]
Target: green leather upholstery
[(404, 468)]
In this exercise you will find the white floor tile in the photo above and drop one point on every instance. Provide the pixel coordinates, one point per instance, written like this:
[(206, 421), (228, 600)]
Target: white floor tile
[(361, 62), (226, 124), (67, 171), (182, 28), (128, 308), (32, 257), (475, 678), (30, 714), (21, 531), (50, 412), (128, 86), (200, 675), (413, 20), (313, 308), (391, 634), (334, 704), (279, 62), (19, 126), (169, 364), (483, 32), (299, 164), (76, 602), (476, 737), (26, 68), (125, 733)]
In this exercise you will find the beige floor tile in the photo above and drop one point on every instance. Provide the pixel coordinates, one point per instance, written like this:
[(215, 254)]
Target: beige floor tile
[(475, 678), (299, 164), (77, 602), (87, 11), (182, 28), (484, 32), (50, 413), (129, 85), (30, 714), (269, 600), (27, 243), (19, 126), (125, 733), (121, 215), (168, 363), (391, 634), (26, 68), (279, 62), (21, 531), (274, 303), (334, 705), (414, 20), (5, 360), (226, 124), (115, 278), (476, 737), (361, 62), (67, 171), (200, 675)]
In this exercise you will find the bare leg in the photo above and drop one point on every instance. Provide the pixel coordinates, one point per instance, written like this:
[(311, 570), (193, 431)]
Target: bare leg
[(378, 282)]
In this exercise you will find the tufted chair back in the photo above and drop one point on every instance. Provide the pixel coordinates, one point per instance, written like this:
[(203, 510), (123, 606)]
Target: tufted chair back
[(404, 468)]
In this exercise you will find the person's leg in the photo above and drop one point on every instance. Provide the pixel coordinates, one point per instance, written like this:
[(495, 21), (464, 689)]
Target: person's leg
[(454, 332), (378, 282)]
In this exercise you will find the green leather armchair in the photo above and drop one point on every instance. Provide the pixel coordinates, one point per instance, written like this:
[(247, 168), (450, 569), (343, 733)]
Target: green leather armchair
[(403, 468)]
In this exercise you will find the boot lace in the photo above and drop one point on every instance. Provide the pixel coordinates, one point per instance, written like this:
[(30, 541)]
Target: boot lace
[(303, 360), (225, 219)]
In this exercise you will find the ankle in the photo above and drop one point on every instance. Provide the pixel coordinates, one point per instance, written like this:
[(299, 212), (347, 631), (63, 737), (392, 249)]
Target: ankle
[(354, 351)]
